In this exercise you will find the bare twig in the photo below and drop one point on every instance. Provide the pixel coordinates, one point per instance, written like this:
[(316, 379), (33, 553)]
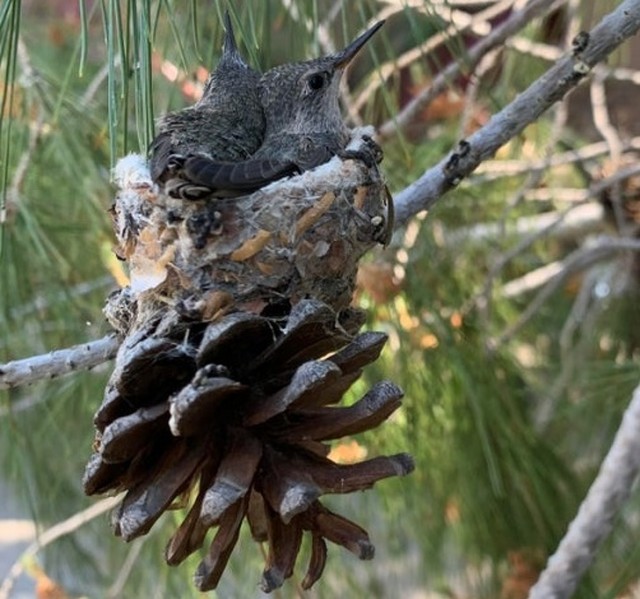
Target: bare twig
[(602, 121), (459, 22), (53, 534), (491, 170), (535, 177), (42, 302), (552, 53), (57, 363), (597, 286), (23, 404), (97, 81), (514, 23), (488, 62), (598, 511), (579, 217), (555, 194), (617, 26), (535, 49), (536, 227), (534, 279), (576, 261), (117, 588), (600, 111)]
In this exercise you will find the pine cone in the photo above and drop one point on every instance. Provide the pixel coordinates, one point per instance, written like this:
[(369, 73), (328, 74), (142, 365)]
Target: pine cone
[(247, 435), (236, 353)]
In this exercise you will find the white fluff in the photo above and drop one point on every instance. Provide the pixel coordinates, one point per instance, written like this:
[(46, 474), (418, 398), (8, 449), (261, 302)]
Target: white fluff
[(132, 171)]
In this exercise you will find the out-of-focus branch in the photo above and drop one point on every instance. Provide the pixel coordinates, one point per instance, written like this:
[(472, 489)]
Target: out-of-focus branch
[(597, 513), (602, 121), (552, 53), (57, 363), (534, 279), (492, 170), (53, 534), (517, 21), (580, 217), (614, 28), (460, 22), (578, 260), (575, 220)]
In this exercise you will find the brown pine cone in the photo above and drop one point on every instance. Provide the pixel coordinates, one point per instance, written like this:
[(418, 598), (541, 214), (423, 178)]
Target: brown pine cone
[(247, 435)]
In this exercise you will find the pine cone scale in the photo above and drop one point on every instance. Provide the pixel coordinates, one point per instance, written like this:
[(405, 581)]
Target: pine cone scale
[(125, 437), (212, 566), (287, 490), (284, 545), (308, 379), (146, 502), (322, 424), (341, 531), (193, 409), (317, 561), (234, 477), (236, 340), (362, 350)]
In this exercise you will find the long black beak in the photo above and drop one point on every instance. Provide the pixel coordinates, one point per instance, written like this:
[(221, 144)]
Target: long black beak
[(344, 57), (229, 47)]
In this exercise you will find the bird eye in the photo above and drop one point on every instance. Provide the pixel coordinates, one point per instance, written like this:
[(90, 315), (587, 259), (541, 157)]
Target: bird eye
[(316, 81)]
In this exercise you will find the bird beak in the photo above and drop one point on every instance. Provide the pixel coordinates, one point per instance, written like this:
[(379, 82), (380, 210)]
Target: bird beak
[(229, 47), (344, 57)]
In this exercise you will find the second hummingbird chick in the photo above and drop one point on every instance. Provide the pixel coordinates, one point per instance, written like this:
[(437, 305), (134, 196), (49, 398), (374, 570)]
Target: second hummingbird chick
[(304, 124), (227, 124)]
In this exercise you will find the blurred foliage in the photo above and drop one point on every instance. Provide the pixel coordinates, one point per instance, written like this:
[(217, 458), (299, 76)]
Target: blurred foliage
[(506, 437)]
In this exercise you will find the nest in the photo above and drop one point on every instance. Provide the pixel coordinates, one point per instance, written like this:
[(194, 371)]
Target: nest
[(239, 343), (296, 238)]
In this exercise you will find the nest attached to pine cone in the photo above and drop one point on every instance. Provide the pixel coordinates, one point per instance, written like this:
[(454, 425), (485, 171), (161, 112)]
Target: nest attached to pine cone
[(239, 343)]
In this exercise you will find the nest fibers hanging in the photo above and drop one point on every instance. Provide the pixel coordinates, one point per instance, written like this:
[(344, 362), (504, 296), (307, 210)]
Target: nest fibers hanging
[(238, 344)]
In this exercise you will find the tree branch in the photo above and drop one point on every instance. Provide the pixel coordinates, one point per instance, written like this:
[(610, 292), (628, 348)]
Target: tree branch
[(517, 21), (578, 260), (605, 37), (595, 518), (52, 534), (57, 363), (459, 22), (492, 170)]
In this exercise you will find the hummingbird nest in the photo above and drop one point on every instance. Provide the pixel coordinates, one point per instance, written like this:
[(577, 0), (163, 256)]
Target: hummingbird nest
[(238, 344)]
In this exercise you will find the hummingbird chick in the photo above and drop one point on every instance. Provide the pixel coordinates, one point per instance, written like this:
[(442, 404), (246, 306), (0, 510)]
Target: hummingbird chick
[(304, 124), (227, 124)]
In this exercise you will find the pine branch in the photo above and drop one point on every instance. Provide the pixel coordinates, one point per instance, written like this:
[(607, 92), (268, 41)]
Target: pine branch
[(575, 262), (604, 38), (492, 170), (598, 511), (459, 23), (52, 534), (517, 21), (57, 363)]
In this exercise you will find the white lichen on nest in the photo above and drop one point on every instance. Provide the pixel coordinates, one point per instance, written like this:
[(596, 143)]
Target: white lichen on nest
[(297, 237)]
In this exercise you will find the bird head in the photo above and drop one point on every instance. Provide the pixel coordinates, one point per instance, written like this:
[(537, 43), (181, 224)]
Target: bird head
[(303, 96)]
